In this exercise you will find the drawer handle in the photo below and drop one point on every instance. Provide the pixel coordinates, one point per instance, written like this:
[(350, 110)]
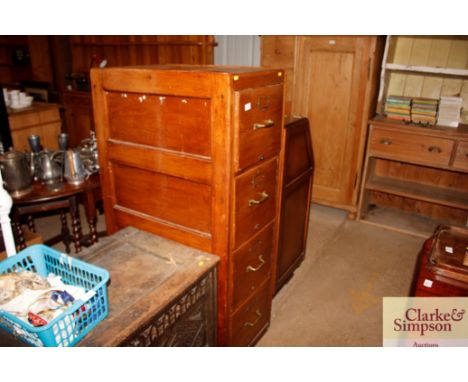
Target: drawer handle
[(385, 141), (435, 149), (259, 316), (252, 269), (265, 125), (263, 196)]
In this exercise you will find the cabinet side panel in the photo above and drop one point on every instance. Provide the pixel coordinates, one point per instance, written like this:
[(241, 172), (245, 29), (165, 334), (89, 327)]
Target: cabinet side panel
[(165, 197), (174, 123)]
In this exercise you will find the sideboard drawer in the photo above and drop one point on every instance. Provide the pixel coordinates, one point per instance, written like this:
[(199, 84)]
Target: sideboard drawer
[(461, 156), (258, 131), (251, 265), (252, 318), (255, 200), (411, 147)]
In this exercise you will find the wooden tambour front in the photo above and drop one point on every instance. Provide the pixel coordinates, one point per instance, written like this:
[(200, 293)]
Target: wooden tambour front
[(192, 153)]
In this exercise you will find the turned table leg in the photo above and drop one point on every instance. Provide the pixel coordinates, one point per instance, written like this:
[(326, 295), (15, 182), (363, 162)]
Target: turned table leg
[(76, 224), (65, 230), (89, 202), (31, 224)]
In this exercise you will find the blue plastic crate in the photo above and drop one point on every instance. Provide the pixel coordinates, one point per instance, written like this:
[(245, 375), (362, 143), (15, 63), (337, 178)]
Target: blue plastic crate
[(80, 318)]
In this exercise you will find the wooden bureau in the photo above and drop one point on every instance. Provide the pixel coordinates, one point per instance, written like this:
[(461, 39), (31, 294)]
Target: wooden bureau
[(192, 153), (415, 177)]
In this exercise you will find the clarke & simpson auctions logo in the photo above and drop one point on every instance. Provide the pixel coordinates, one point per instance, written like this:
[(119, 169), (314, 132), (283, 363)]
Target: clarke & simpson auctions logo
[(425, 321), (419, 321)]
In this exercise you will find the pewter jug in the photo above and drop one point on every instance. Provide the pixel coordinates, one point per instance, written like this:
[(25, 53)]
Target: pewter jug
[(16, 173), (74, 170), (50, 170)]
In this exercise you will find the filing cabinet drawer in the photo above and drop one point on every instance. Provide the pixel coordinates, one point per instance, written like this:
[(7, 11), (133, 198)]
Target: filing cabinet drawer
[(255, 200), (252, 318), (411, 147), (461, 156), (251, 265), (258, 130)]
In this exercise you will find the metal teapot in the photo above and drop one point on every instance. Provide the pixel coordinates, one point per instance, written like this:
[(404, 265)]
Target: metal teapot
[(16, 173)]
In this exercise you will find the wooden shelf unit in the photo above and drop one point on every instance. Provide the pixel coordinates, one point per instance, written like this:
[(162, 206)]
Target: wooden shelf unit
[(425, 66), (414, 178), (412, 190)]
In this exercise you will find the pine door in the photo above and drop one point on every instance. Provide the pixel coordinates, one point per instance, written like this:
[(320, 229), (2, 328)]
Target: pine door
[(331, 88)]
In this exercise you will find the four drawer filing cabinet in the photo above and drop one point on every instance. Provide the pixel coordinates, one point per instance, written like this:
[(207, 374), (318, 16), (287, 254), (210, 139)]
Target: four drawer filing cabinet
[(193, 153)]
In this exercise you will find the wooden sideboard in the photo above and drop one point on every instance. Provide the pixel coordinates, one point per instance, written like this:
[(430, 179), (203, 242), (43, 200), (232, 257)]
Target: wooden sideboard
[(415, 177), (192, 153), (42, 119)]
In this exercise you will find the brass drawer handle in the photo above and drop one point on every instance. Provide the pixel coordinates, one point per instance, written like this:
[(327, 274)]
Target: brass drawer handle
[(259, 316), (252, 269), (263, 196), (435, 149), (385, 141), (264, 125)]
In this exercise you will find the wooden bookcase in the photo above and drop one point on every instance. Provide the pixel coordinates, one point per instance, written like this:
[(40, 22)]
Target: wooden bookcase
[(425, 66), (416, 177)]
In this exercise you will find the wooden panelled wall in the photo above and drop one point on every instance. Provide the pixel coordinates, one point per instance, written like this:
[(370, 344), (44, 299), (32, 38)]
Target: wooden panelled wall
[(434, 51), (141, 50)]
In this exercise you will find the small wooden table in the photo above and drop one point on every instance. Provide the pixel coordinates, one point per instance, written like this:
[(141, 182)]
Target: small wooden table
[(42, 199)]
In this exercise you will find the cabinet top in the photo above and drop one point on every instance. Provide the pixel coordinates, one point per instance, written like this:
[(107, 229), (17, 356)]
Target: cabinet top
[(226, 69), (188, 80), (34, 108), (455, 132)]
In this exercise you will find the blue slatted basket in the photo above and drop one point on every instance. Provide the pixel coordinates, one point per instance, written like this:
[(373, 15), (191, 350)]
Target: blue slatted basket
[(80, 318)]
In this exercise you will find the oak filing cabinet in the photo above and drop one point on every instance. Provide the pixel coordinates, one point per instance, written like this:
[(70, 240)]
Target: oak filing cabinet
[(192, 153)]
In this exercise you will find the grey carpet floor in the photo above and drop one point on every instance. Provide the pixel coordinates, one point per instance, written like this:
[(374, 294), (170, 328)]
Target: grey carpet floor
[(335, 296)]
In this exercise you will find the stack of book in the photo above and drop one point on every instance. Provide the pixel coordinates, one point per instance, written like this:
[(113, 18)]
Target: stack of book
[(398, 107), (424, 111), (449, 111)]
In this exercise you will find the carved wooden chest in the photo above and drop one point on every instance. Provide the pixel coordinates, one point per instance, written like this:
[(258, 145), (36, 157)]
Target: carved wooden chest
[(192, 153), (161, 293)]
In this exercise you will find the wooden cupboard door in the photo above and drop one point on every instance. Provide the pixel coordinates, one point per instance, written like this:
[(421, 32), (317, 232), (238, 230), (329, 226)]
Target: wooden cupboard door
[(330, 90)]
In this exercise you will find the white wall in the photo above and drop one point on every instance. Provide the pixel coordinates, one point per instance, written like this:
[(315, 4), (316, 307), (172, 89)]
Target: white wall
[(237, 50)]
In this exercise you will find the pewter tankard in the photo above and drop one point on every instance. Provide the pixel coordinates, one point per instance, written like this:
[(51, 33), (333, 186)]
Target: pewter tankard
[(16, 173), (74, 170)]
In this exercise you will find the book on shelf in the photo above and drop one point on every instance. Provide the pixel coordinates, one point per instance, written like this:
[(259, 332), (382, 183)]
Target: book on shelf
[(449, 111)]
